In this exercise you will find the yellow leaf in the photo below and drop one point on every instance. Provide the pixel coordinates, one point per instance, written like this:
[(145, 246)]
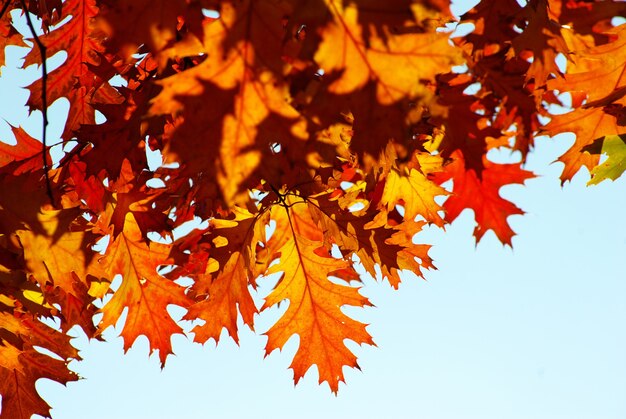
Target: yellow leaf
[(344, 49), (415, 193)]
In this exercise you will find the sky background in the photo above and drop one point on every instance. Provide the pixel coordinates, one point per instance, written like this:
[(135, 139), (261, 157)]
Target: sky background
[(536, 331)]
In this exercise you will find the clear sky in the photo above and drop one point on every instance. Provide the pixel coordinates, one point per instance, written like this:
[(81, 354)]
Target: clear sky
[(534, 332)]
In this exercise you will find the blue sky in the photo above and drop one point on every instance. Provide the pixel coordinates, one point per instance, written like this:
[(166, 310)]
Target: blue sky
[(536, 331)]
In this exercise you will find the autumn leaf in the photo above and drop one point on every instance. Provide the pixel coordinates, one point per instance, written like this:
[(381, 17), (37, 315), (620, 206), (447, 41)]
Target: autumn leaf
[(493, 21), (143, 291), (589, 19), (248, 95), (50, 11), (26, 153), (421, 56), (379, 241), (615, 149), (57, 257), (587, 125), (314, 312), (224, 293), (358, 124), (130, 24), (8, 36), (49, 255), (542, 37), (73, 80), (601, 67), (416, 194), (21, 365), (491, 211), (123, 136), (510, 73)]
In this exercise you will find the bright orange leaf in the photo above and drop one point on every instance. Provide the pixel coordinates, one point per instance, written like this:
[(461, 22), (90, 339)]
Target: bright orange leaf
[(143, 291), (482, 195), (315, 302)]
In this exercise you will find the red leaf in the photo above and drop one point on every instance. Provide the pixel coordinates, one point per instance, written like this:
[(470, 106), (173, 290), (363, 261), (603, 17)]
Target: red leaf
[(483, 195)]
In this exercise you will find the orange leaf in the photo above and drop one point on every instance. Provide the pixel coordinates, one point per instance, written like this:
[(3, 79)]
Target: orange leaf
[(73, 79), (21, 365), (542, 36), (237, 93), (358, 60), (59, 255), (315, 302), (143, 291), (8, 36), (26, 153), (374, 238), (225, 293), (482, 195), (131, 23), (599, 72)]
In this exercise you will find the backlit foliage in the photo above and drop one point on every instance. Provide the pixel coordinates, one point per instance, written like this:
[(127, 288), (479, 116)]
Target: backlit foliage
[(338, 122)]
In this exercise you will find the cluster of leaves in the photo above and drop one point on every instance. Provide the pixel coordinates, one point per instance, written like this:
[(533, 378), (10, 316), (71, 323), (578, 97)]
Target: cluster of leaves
[(337, 122)]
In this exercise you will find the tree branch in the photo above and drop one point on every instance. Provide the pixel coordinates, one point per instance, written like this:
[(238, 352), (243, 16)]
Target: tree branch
[(5, 7), (44, 97)]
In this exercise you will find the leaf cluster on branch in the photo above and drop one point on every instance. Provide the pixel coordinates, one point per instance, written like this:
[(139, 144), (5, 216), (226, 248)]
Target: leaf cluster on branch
[(340, 123)]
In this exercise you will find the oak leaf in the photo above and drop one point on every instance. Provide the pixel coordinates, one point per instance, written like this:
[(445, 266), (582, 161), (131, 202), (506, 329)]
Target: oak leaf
[(542, 37), (360, 60), (143, 290), (482, 195), (599, 73), (72, 80), (615, 149), (8, 36), (386, 242), (21, 365), (493, 23), (588, 18), (315, 301), (26, 153), (131, 24), (244, 81), (224, 293), (58, 257), (415, 193)]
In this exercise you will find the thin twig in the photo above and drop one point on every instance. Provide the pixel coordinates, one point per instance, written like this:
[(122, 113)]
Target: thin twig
[(5, 8), (44, 96)]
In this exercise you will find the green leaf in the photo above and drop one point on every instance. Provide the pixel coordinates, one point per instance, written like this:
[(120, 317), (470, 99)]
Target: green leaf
[(614, 146)]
